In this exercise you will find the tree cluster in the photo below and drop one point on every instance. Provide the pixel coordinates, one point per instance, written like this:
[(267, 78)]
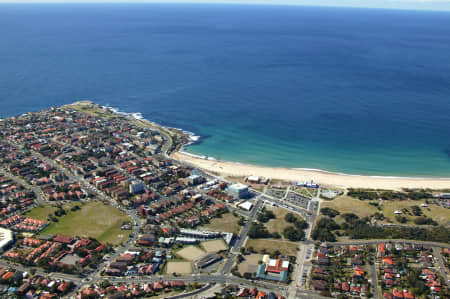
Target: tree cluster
[(265, 215), (294, 232), (323, 230), (297, 221), (258, 230), (329, 212), (357, 228), (368, 194)]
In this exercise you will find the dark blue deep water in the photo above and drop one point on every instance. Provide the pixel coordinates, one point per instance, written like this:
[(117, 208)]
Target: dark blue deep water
[(359, 91)]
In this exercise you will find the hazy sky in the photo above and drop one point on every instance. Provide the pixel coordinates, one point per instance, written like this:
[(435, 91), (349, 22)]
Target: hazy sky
[(400, 4)]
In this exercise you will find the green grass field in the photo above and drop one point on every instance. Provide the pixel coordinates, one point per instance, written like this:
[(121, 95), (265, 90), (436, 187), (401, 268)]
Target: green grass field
[(94, 219), (271, 245), (227, 223), (42, 212), (345, 204), (362, 208), (438, 213), (94, 111), (308, 192), (278, 224)]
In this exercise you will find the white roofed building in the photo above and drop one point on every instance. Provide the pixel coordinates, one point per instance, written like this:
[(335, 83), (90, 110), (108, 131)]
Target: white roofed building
[(6, 237), (246, 205)]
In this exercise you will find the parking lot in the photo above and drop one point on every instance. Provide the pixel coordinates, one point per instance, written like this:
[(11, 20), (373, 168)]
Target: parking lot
[(298, 200), (278, 193)]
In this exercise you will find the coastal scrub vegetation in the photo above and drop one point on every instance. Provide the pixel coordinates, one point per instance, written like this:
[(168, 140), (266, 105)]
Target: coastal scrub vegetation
[(326, 229), (371, 194), (387, 211)]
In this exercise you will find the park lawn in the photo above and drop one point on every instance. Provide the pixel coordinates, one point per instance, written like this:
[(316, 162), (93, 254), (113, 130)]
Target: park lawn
[(95, 219), (41, 212), (91, 110), (308, 192), (214, 245), (345, 204), (250, 264), (179, 267), (278, 224), (227, 223), (190, 252), (438, 213), (271, 245)]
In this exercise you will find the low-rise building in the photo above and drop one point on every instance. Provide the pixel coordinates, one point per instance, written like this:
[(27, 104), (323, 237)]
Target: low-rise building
[(274, 269)]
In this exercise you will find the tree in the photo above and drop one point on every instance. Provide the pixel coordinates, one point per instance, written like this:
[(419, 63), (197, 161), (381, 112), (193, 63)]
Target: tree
[(323, 230), (293, 234), (74, 208), (265, 215), (329, 212), (290, 218), (258, 230), (378, 216), (299, 222), (401, 219), (416, 210), (247, 275), (105, 283), (350, 217), (424, 221)]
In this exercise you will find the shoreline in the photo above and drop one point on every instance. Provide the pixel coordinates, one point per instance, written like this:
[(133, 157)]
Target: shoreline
[(322, 177)]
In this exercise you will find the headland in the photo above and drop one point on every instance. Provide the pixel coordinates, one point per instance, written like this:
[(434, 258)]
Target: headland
[(322, 177)]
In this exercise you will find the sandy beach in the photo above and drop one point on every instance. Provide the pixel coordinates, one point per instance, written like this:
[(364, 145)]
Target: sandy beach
[(320, 177)]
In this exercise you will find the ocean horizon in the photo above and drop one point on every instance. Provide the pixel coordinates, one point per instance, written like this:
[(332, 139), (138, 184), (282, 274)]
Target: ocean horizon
[(345, 90)]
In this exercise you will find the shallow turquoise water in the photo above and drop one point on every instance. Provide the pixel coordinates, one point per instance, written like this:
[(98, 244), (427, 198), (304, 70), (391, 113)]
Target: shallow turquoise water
[(359, 91)]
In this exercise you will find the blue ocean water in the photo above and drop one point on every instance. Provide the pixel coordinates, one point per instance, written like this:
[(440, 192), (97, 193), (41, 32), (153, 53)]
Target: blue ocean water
[(360, 91)]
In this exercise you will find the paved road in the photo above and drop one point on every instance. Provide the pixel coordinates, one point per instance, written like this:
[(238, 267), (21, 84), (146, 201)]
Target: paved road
[(438, 256), (308, 294), (54, 275), (304, 252), (37, 191), (241, 238), (373, 278), (131, 213), (224, 277), (376, 242), (229, 207), (269, 286)]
